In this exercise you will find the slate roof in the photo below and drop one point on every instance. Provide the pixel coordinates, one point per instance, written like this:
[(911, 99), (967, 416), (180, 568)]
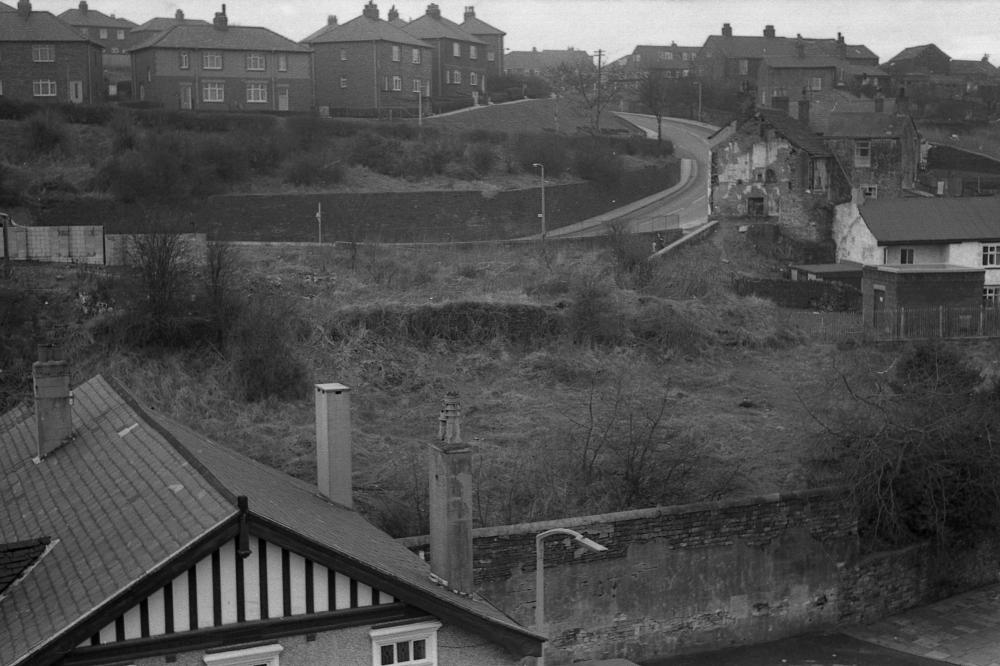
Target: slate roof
[(476, 26), (972, 67), (438, 27), (16, 557), (649, 56), (233, 38), (938, 220), (911, 52), (798, 134), (867, 125), (37, 27), (92, 17), (761, 47), (161, 23), (544, 59), (364, 29), (133, 489), (4, 7)]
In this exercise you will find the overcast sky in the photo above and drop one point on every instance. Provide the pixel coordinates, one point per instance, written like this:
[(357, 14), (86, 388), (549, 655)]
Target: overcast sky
[(964, 29)]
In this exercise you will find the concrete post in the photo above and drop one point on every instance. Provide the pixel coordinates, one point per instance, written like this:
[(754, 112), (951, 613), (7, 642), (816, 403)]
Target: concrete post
[(450, 482)]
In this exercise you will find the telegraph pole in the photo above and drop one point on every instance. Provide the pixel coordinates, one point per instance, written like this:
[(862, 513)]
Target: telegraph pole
[(598, 105)]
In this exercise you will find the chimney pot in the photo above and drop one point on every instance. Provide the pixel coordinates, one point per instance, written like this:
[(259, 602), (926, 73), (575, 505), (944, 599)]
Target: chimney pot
[(727, 30), (179, 15), (450, 483), (393, 13), (333, 443), (470, 12), (53, 400), (769, 31), (221, 21), (331, 20), (370, 10), (433, 10), (83, 6)]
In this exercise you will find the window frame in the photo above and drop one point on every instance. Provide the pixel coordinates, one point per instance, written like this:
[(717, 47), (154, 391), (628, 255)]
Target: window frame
[(102, 33), (256, 58), (343, 55), (51, 85), (456, 77), (184, 60), (213, 85), (257, 86), (863, 153), (343, 82), (43, 53), (212, 56), (417, 87), (744, 66), (397, 53), (415, 56), (120, 35), (456, 50), (991, 295), (282, 62), (473, 79), (906, 256), (394, 635), (397, 83), (473, 52), (991, 255), (491, 56), (815, 83), (269, 655), (869, 190)]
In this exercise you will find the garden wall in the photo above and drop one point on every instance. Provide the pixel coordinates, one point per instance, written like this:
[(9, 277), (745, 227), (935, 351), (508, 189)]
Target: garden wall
[(421, 216), (804, 294)]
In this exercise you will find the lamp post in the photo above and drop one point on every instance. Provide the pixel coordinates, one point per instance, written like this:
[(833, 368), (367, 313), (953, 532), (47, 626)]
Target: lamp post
[(698, 83), (541, 215), (589, 544)]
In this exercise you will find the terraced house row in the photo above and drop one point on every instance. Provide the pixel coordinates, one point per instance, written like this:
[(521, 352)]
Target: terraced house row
[(368, 66)]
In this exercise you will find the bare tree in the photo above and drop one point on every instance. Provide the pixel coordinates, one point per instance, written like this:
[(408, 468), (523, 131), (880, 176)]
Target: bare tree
[(654, 93), (597, 86)]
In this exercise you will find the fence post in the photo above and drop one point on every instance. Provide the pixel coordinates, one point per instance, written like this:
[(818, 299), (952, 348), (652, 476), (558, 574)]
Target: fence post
[(940, 321), (981, 309), (902, 323)]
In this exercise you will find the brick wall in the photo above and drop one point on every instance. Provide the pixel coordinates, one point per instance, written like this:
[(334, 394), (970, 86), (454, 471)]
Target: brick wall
[(73, 62), (811, 294), (365, 72)]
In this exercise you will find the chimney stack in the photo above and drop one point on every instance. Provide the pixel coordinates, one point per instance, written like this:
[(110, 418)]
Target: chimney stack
[(769, 31), (24, 8), (221, 21), (470, 13), (331, 20), (370, 11), (727, 30), (804, 111), (179, 15), (333, 443), (83, 6), (800, 47), (451, 501), (433, 11), (393, 13), (53, 399)]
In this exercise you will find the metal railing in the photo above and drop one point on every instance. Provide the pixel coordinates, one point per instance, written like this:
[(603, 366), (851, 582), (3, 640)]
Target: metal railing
[(939, 322)]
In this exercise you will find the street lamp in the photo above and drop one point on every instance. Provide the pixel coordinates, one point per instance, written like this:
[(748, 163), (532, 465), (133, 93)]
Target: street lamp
[(698, 83), (589, 544), (541, 215)]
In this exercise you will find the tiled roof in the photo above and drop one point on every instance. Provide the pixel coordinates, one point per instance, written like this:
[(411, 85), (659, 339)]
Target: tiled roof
[(162, 23), (967, 67), (938, 220), (36, 27), (795, 132), (475, 26), (233, 38), (867, 125), (911, 52), (363, 29), (762, 47), (545, 59), (92, 17), (4, 7), (431, 27), (16, 557), (133, 488)]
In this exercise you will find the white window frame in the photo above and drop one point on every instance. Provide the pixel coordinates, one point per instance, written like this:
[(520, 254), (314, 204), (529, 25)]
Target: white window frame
[(417, 86), (256, 92), (343, 82), (415, 57), (425, 631), (816, 83), (473, 52), (262, 654), (120, 35), (43, 53), (456, 49), (870, 191), (456, 77), (744, 66), (473, 79), (211, 60), (44, 88), (863, 153), (397, 83), (256, 62), (991, 295), (343, 55), (991, 254), (396, 53), (491, 56), (906, 256), (103, 33), (185, 60), (219, 86)]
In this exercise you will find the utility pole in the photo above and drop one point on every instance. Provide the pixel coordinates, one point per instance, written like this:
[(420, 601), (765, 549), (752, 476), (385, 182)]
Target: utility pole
[(598, 105)]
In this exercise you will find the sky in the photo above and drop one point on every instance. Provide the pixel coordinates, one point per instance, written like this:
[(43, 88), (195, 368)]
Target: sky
[(964, 29)]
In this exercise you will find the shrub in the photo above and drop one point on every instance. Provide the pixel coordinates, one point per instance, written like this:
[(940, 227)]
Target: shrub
[(481, 157), (224, 157), (377, 153), (123, 133), (482, 135), (46, 132), (12, 109), (541, 149), (598, 163), (88, 114), (310, 169), (593, 317), (263, 352), (630, 253), (264, 154)]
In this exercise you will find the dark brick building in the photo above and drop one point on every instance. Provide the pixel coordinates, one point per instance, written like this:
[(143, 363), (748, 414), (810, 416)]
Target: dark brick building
[(44, 60), (112, 33), (459, 59), (879, 152), (223, 67), (493, 38), (369, 67)]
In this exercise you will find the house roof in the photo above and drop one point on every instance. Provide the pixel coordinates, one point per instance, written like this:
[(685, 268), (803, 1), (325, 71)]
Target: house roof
[(363, 29), (16, 558), (798, 134), (972, 67), (867, 125), (435, 26), (762, 47), (91, 17), (37, 27), (938, 220), (476, 26), (134, 489), (161, 23), (4, 7), (544, 59), (911, 52), (232, 38)]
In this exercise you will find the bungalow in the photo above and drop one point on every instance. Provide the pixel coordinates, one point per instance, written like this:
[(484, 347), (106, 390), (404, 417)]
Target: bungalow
[(127, 538)]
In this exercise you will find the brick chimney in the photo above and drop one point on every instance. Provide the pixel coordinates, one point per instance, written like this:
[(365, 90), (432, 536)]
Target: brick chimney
[(769, 31), (393, 13), (800, 47), (450, 484), (333, 443), (221, 21), (179, 15), (727, 30), (470, 13), (433, 11), (841, 46), (331, 20), (804, 111), (53, 399), (83, 6), (879, 103), (370, 11), (24, 8)]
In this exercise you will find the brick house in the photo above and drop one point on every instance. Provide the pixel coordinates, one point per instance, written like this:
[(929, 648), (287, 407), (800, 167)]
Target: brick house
[(924, 59), (540, 63), (112, 33), (43, 59), (125, 537), (879, 152), (458, 58), (771, 165), (222, 67), (676, 62), (367, 66), (155, 26), (493, 38)]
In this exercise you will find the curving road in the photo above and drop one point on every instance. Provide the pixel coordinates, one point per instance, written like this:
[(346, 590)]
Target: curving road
[(684, 206)]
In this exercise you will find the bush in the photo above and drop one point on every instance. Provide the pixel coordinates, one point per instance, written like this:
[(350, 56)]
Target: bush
[(224, 157), (377, 153), (88, 114), (12, 109), (593, 317), (46, 132), (123, 133), (598, 163), (310, 169), (544, 149), (263, 352), (264, 154), (482, 135), (481, 157)]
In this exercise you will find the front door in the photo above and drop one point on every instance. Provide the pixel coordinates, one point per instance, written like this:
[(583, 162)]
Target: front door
[(76, 92), (282, 98), (186, 96)]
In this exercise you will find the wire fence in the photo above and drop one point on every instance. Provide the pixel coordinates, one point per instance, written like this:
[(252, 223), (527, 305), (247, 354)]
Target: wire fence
[(896, 324)]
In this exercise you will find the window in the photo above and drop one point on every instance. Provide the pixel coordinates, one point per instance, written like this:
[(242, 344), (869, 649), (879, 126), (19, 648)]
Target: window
[(991, 255), (779, 92), (262, 655), (862, 153), (666, 55), (395, 53), (397, 83), (456, 76), (491, 56), (1, 88), (447, 76), (256, 92), (686, 55), (870, 191), (415, 56), (103, 33), (414, 644), (744, 66), (43, 88), (816, 83), (906, 255), (456, 50), (211, 60), (213, 91), (343, 54), (43, 53), (282, 62), (416, 86), (120, 35), (256, 62), (185, 60), (343, 82), (85, 32), (473, 52), (991, 296), (473, 79)]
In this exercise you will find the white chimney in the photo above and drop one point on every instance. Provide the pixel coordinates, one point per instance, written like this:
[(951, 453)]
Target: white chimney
[(53, 400), (333, 443)]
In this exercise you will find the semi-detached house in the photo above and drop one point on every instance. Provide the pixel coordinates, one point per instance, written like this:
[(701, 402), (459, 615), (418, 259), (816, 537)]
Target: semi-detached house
[(223, 67), (459, 71)]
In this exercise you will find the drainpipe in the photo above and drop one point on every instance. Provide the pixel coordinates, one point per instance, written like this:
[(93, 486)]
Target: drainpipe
[(378, 105)]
